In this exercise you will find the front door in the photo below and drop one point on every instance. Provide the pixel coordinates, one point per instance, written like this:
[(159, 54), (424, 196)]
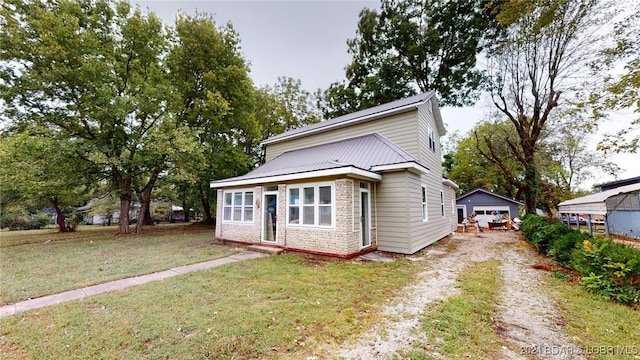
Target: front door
[(269, 223), (365, 218)]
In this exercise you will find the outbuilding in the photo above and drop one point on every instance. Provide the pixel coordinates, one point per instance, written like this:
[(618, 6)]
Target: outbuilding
[(486, 205), (618, 207)]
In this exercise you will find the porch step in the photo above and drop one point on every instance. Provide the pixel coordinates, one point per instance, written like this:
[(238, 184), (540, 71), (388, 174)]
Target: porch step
[(265, 249)]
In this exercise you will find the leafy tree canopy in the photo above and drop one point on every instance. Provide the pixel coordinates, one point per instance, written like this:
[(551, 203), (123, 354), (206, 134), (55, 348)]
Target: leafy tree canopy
[(410, 46)]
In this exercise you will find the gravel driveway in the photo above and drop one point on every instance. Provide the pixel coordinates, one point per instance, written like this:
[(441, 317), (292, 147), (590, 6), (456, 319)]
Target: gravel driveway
[(527, 318)]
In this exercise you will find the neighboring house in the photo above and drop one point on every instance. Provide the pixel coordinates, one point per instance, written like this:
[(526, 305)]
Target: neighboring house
[(94, 219), (363, 181), (619, 207), (486, 205)]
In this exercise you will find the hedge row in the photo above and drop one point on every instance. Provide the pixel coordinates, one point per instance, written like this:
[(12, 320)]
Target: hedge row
[(606, 267)]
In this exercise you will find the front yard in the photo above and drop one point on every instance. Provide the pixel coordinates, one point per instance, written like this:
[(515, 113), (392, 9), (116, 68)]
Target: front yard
[(472, 295), (34, 263), (281, 306)]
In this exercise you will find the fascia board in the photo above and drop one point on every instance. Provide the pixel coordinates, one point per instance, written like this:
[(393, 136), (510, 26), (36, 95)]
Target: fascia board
[(401, 166), (348, 170)]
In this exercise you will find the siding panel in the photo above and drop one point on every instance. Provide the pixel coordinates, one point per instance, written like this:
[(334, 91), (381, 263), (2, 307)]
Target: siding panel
[(392, 205), (401, 129)]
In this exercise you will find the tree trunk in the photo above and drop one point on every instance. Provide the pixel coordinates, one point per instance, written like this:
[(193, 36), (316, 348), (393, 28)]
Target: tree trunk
[(59, 216), (207, 208), (185, 210), (145, 202), (125, 205), (147, 219)]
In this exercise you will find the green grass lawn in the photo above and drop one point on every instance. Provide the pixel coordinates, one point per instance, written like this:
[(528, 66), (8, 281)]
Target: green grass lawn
[(604, 329), (289, 306), (276, 307), (34, 263), (463, 324)]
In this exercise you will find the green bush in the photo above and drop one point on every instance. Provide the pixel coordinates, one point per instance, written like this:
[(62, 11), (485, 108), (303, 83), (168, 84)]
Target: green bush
[(610, 269), (560, 249), (530, 224), (541, 232), (24, 221)]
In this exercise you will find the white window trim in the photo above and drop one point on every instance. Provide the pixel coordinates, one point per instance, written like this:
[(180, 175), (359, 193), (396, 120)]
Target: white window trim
[(425, 203), (243, 206), (432, 140), (316, 205), (442, 210)]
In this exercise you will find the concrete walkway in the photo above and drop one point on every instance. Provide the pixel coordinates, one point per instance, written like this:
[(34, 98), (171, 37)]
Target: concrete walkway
[(78, 294)]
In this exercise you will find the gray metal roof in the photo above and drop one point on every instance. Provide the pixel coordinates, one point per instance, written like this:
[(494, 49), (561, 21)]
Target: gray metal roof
[(397, 106), (595, 203), (489, 193), (363, 152)]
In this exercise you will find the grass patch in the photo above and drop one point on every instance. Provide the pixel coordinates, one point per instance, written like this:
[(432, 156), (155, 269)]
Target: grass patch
[(34, 263), (462, 326), (604, 329), (275, 307)]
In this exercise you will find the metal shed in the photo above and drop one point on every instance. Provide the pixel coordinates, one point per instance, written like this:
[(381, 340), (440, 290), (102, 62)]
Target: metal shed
[(619, 207)]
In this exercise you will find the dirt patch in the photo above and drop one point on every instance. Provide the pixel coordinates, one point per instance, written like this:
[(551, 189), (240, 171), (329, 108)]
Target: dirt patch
[(527, 321)]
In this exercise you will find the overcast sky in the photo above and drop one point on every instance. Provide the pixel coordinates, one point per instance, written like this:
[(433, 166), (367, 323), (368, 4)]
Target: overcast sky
[(307, 40)]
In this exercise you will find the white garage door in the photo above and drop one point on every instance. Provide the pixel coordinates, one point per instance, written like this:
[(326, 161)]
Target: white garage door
[(484, 214)]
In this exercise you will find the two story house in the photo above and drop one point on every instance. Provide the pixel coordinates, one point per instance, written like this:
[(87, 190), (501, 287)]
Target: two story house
[(359, 182)]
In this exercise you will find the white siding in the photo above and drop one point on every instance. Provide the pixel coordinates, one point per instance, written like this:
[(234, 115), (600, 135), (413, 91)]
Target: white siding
[(422, 233), (401, 129), (429, 157), (393, 205)]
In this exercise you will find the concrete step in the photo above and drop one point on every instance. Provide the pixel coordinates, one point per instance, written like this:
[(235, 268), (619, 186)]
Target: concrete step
[(265, 249)]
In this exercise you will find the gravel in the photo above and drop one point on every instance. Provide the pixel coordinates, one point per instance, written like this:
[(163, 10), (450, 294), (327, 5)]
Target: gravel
[(528, 322)]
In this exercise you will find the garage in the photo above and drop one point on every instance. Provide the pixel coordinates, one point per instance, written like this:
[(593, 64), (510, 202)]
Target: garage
[(484, 203), (485, 214)]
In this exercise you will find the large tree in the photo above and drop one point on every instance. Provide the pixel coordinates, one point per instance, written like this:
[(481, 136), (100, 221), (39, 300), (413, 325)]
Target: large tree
[(410, 46), (532, 72), (92, 70), (33, 163), (470, 170), (282, 107), (622, 90), (563, 160), (214, 98)]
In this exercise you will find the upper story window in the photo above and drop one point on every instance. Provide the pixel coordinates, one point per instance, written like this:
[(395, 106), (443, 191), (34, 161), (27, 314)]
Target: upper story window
[(432, 141), (311, 205), (238, 206)]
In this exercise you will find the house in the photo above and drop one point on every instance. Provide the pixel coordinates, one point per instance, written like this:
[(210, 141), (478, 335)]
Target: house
[(619, 207), (486, 205), (363, 181)]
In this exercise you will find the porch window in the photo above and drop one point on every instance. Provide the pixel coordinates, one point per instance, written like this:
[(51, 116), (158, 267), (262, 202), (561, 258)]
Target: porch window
[(238, 206), (315, 201), (294, 206), (425, 215)]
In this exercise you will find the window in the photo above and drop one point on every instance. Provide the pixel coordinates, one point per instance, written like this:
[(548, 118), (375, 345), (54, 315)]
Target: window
[(442, 203), (294, 206), (238, 206), (425, 216), (314, 201), (432, 142)]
